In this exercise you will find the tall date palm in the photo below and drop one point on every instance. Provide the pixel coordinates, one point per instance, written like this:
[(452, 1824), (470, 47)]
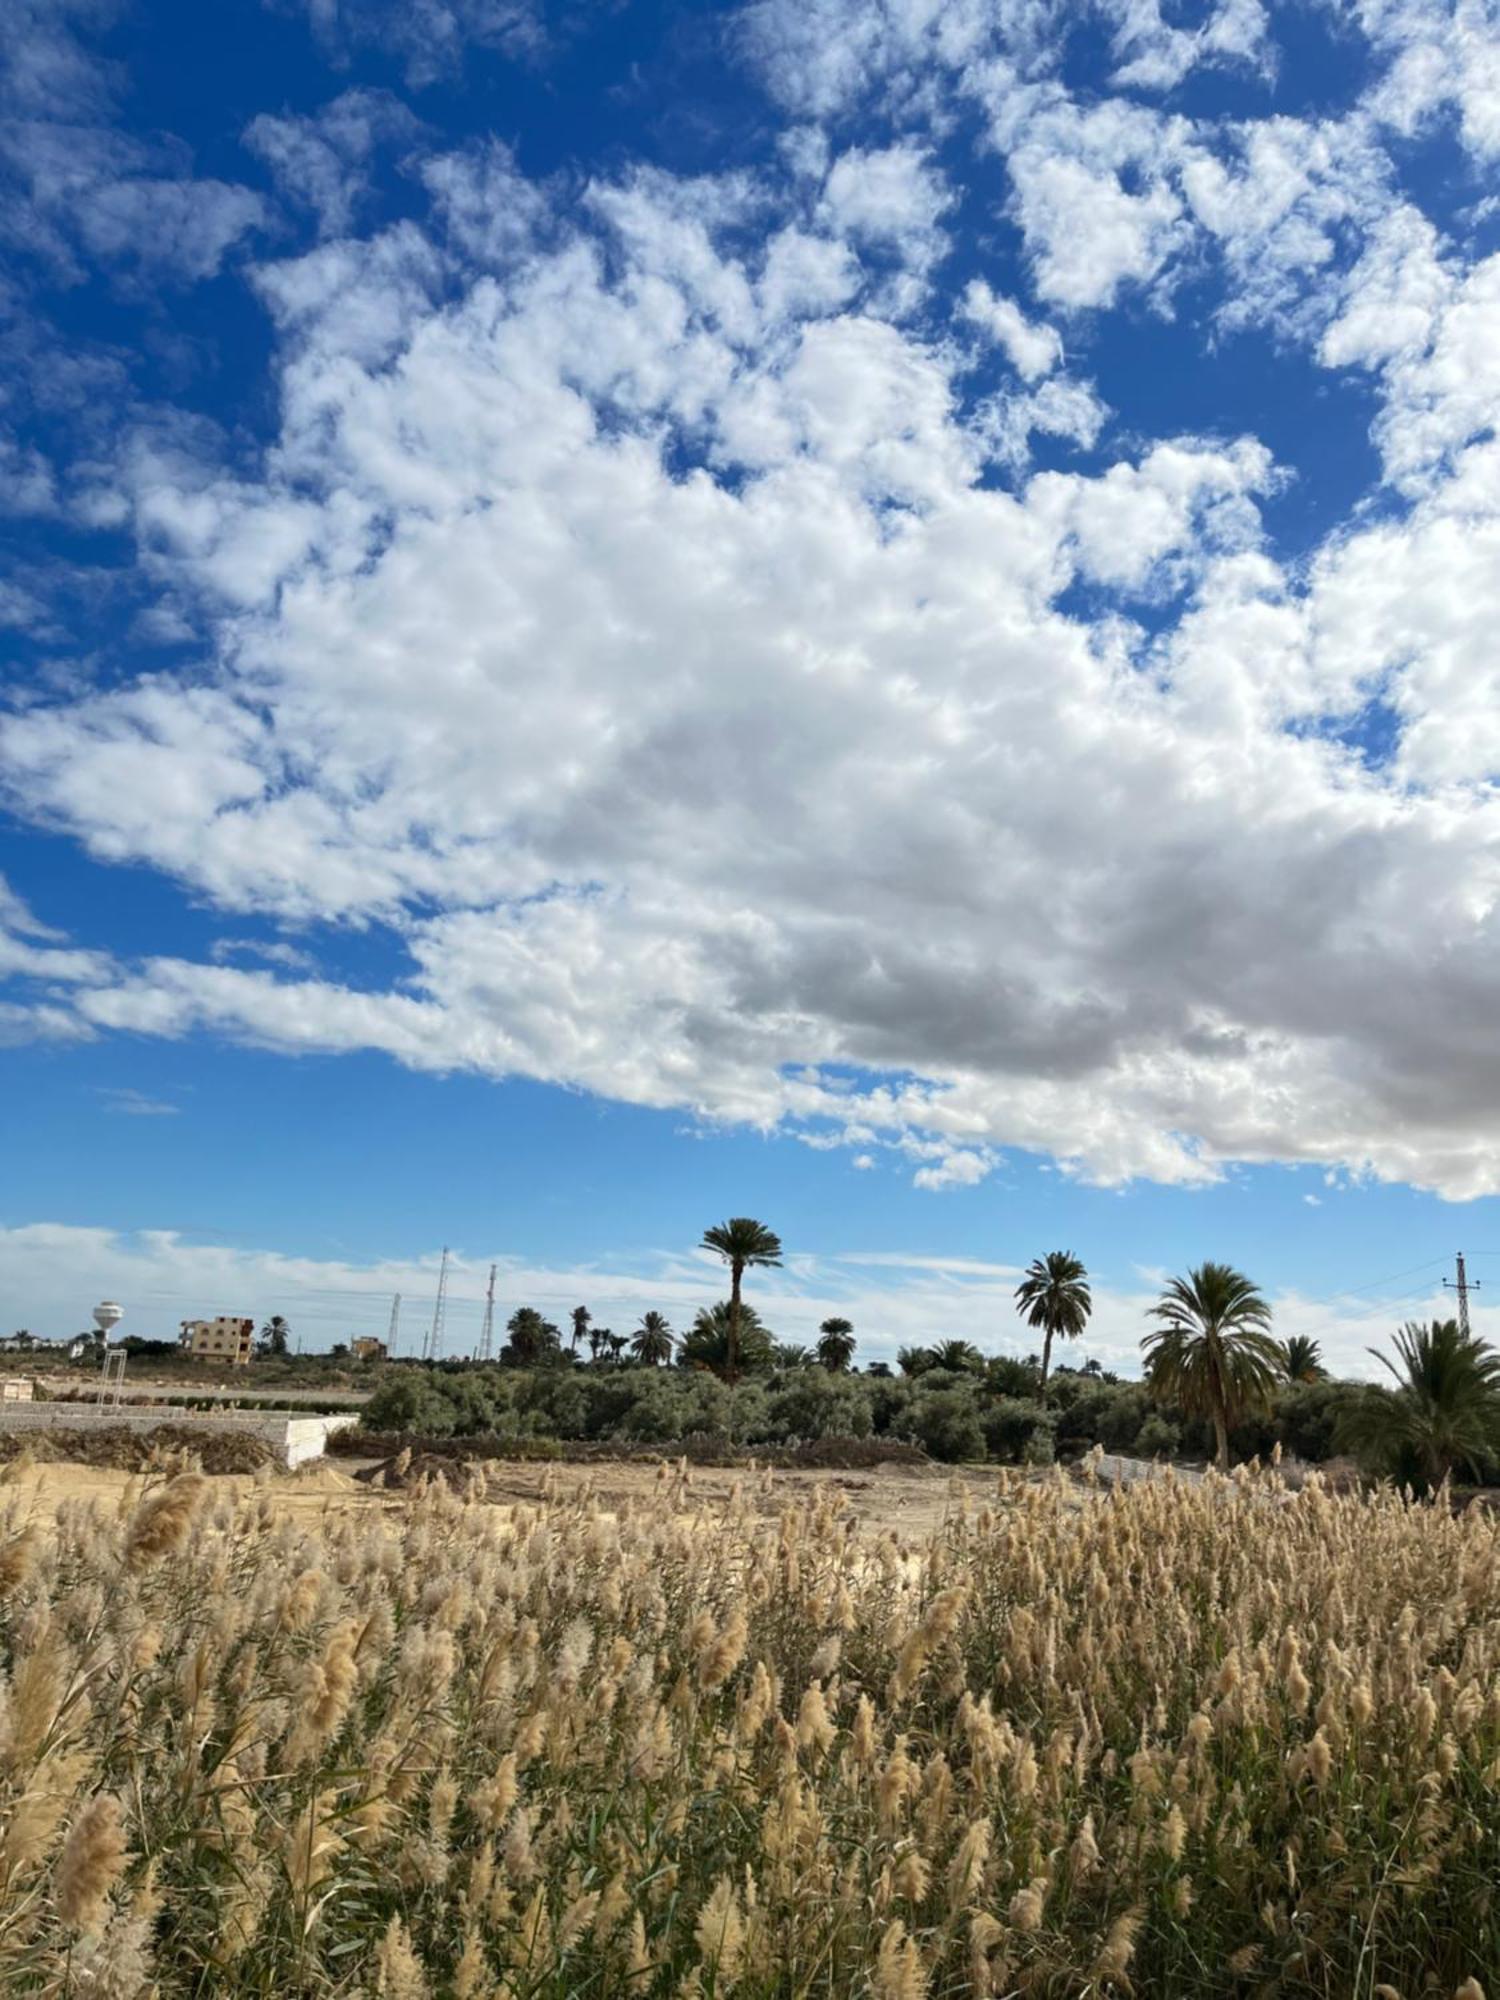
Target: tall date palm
[(743, 1243), (1054, 1297), (1213, 1354)]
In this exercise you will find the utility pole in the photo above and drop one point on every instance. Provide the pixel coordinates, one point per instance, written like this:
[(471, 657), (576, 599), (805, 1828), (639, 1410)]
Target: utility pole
[(395, 1327), (484, 1351), (1463, 1287), (432, 1347)]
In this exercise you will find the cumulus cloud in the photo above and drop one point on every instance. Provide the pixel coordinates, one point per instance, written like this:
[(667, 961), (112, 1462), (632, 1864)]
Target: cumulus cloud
[(629, 617), (1032, 349)]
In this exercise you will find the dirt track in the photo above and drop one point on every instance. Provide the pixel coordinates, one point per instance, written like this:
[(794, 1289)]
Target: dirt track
[(910, 1500)]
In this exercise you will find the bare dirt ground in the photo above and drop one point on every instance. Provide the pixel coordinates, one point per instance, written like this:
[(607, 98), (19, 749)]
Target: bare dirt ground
[(910, 1501)]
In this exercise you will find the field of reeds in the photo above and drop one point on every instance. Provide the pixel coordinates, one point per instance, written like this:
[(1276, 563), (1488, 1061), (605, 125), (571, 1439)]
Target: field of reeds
[(1172, 1741)]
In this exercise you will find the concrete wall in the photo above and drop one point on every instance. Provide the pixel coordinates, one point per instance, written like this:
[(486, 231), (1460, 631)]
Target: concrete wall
[(64, 1388), (295, 1440)]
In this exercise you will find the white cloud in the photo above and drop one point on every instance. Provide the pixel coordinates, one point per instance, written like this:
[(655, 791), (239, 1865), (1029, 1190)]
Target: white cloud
[(128, 1103), (686, 791), (74, 187), (625, 617), (1088, 234), (892, 199), (1033, 350), (323, 162)]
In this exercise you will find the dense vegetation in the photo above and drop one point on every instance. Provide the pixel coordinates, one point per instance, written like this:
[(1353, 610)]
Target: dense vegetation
[(1217, 1383), (1188, 1741), (954, 1414)]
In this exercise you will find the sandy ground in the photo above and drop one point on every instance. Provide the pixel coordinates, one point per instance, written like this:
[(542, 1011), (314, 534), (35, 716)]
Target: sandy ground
[(909, 1500)]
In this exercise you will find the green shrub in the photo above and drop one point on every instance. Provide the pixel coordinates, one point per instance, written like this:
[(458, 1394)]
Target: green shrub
[(945, 1423), (812, 1403), (1158, 1437), (409, 1401), (1019, 1432), (1108, 1416)]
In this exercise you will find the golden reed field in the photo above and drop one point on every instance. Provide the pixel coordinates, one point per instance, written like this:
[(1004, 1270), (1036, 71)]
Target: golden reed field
[(1173, 1740)]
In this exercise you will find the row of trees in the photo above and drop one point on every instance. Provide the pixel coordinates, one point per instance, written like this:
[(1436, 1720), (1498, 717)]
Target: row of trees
[(1210, 1354)]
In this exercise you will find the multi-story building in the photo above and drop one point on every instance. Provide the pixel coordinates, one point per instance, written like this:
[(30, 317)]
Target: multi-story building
[(368, 1348), (224, 1339)]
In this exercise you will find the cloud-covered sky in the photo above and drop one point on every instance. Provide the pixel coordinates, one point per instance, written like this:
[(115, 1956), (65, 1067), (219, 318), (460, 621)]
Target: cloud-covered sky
[(913, 575)]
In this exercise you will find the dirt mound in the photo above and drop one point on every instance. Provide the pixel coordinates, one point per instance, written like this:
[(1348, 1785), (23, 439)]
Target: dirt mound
[(125, 1450), (410, 1469)]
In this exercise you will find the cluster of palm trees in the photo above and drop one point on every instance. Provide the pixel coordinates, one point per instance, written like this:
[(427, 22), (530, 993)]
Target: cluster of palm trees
[(1213, 1355), (1210, 1354)]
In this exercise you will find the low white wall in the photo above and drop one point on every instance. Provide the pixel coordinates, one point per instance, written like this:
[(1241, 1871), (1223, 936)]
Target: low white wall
[(294, 1439)]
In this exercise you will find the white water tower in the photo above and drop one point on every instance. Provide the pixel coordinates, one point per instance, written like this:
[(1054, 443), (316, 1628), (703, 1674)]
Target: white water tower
[(107, 1316)]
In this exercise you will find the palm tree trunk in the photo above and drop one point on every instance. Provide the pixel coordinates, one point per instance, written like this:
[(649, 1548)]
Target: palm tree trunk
[(736, 1272), (1046, 1363), (1221, 1441)]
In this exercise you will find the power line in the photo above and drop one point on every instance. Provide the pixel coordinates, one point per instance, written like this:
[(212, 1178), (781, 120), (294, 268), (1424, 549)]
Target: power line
[(1356, 1291)]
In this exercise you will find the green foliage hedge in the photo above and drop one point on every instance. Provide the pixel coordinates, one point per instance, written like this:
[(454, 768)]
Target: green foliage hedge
[(954, 1417)]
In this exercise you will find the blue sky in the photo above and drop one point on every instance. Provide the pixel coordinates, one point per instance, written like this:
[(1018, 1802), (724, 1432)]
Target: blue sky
[(872, 613)]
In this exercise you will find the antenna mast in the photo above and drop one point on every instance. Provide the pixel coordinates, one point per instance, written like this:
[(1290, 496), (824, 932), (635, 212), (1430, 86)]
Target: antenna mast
[(1463, 1287), (432, 1347), (487, 1332), (395, 1328)]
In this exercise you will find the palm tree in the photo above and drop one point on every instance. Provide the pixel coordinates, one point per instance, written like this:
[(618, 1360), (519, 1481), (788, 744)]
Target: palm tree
[(1301, 1359), (581, 1317), (742, 1242), (1213, 1354), (836, 1344), (274, 1335), (1054, 1296), (789, 1354), (1442, 1415), (531, 1338), (914, 1360), (960, 1357), (707, 1342), (652, 1341)]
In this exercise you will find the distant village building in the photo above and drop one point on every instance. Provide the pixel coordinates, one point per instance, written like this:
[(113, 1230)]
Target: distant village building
[(368, 1348), (223, 1339), (47, 1350)]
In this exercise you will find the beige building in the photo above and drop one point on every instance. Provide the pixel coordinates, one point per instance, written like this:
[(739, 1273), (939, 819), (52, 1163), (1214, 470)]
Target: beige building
[(223, 1339), (368, 1348), (17, 1389)]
